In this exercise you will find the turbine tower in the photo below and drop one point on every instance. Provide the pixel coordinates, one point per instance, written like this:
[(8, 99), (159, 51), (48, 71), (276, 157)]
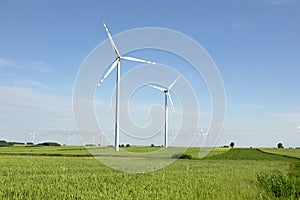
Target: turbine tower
[(117, 63), (167, 95)]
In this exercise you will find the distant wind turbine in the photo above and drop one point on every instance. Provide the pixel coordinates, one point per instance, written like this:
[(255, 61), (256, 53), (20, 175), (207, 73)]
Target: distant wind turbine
[(33, 135), (203, 132), (117, 63), (167, 95), (101, 138), (70, 137)]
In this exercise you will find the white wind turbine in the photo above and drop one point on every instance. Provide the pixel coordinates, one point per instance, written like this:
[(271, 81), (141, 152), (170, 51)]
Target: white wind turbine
[(101, 138), (203, 133), (117, 63), (33, 135), (70, 137), (167, 95)]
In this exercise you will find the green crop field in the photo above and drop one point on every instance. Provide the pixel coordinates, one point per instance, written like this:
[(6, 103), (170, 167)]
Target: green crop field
[(72, 173)]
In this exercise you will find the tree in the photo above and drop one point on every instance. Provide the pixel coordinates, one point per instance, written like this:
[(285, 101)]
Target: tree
[(3, 143), (231, 144), (280, 145), (54, 144)]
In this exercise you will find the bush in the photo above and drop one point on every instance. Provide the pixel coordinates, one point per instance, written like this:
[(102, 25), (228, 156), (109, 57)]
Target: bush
[(16, 143), (127, 145), (182, 156), (152, 145)]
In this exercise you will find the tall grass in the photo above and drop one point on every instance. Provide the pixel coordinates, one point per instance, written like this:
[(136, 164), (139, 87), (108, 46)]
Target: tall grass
[(286, 185), (59, 177)]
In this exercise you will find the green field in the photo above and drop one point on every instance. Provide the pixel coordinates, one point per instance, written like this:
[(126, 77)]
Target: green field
[(285, 152), (72, 173), (67, 151)]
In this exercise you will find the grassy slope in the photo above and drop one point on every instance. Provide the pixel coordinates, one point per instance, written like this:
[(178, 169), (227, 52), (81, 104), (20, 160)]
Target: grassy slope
[(194, 151), (250, 154), (287, 152)]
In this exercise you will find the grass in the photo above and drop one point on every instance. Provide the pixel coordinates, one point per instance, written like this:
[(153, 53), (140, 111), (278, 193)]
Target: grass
[(282, 184), (286, 152), (142, 149), (224, 174), (250, 154), (209, 151)]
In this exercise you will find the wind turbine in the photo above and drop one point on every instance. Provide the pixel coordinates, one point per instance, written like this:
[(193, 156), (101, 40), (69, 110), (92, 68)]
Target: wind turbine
[(70, 137), (202, 133), (33, 135), (101, 138), (117, 63), (167, 95)]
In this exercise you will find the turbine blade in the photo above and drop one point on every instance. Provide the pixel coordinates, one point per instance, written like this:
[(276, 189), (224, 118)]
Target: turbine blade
[(174, 82), (111, 40), (108, 72), (137, 60), (156, 87), (173, 109)]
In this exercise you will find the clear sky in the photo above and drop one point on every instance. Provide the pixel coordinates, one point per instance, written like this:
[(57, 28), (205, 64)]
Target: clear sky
[(255, 45)]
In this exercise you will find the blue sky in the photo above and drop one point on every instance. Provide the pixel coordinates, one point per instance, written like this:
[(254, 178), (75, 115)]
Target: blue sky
[(255, 45)]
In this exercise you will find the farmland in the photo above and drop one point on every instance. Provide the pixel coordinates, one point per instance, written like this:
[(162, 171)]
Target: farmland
[(72, 173)]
